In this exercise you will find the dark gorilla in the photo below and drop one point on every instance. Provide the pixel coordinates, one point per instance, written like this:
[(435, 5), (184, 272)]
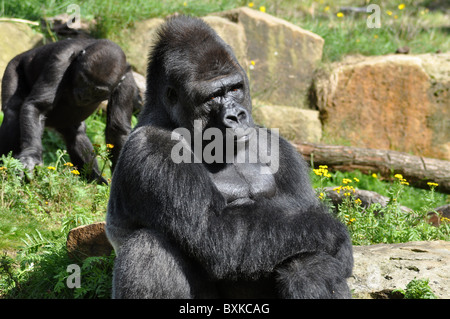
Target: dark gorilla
[(59, 85), (215, 228)]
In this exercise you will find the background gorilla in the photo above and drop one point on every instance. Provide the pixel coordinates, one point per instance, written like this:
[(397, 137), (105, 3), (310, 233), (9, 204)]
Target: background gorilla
[(60, 85), (193, 230)]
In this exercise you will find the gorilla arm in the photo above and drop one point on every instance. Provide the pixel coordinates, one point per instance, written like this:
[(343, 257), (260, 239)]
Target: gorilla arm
[(119, 112), (39, 102), (150, 191)]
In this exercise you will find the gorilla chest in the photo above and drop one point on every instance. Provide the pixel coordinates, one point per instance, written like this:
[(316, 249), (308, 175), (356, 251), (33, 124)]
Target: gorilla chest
[(244, 181), (69, 113)]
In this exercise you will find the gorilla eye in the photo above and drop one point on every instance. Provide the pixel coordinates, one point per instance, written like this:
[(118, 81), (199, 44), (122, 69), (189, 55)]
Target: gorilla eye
[(171, 95), (237, 87)]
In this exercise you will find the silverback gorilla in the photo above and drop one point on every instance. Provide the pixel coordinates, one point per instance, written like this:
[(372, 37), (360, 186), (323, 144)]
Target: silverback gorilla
[(59, 85), (223, 228)]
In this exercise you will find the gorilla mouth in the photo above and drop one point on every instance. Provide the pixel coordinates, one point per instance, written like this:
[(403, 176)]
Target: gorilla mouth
[(241, 135)]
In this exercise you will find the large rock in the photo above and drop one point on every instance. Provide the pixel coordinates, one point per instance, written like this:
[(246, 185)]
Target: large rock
[(293, 123), (395, 102), (15, 38), (88, 241), (284, 55), (380, 269), (140, 38)]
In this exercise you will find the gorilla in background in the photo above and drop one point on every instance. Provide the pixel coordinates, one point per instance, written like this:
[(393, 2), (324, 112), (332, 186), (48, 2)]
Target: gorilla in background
[(59, 85), (215, 229)]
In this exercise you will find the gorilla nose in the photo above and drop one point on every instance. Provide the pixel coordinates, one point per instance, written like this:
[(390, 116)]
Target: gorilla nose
[(234, 117)]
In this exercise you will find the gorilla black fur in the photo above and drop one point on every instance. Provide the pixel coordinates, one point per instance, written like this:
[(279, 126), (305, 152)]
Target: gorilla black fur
[(202, 230)]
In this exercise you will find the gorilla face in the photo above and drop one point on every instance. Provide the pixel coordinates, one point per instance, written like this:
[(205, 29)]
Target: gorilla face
[(92, 81), (201, 83), (218, 102)]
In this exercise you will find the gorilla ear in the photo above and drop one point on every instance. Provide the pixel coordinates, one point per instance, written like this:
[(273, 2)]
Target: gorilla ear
[(171, 95)]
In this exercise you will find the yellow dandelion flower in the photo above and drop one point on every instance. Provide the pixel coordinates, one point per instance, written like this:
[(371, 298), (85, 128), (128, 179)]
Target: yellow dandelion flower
[(252, 62), (389, 12), (401, 6), (51, 168), (358, 201), (340, 15), (374, 175), (185, 4), (326, 8), (431, 184), (375, 36), (404, 183), (321, 196), (75, 172), (69, 164), (445, 219), (251, 4), (398, 176), (356, 179), (346, 181), (109, 145), (262, 8)]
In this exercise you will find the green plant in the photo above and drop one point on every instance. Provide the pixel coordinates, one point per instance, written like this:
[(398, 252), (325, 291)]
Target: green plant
[(417, 289), (377, 224)]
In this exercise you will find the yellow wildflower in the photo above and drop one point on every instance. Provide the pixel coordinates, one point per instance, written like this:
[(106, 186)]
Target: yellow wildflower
[(109, 145), (321, 196), (396, 17), (445, 219), (51, 168), (338, 189), (398, 176), (252, 62), (356, 179), (69, 164), (262, 8), (251, 4), (326, 8), (340, 15), (403, 182), (375, 36), (75, 172), (401, 6), (346, 181), (185, 4), (431, 184), (358, 201), (374, 175), (3, 168), (389, 12), (322, 171)]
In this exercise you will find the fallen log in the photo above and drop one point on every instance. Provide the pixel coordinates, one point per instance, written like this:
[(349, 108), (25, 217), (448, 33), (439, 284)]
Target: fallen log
[(417, 170)]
